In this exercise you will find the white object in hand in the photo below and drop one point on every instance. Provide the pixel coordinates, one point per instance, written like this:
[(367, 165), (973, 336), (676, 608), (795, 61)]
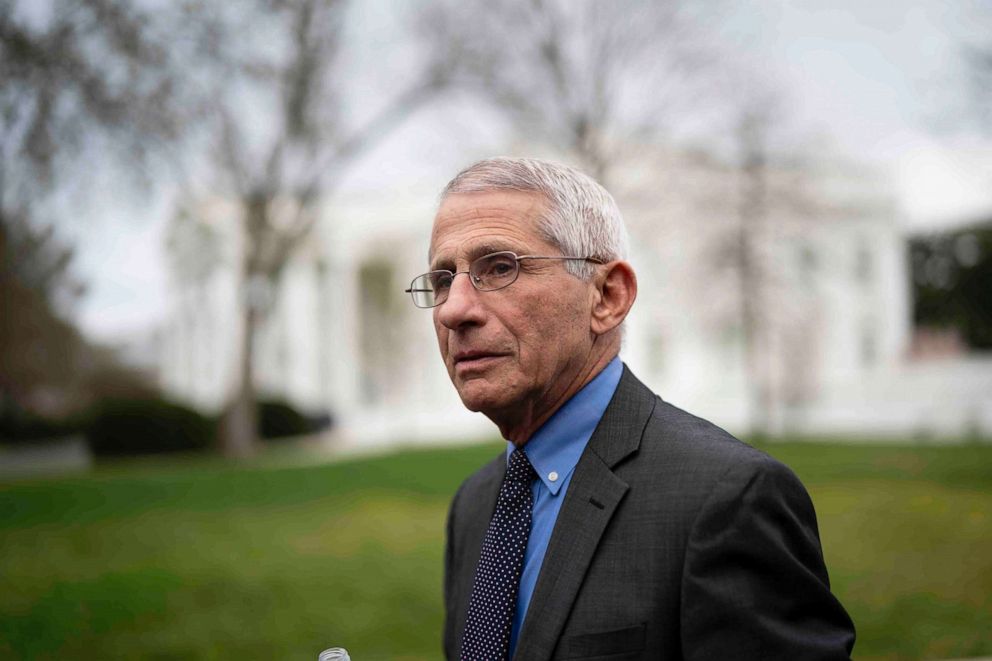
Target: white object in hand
[(334, 654)]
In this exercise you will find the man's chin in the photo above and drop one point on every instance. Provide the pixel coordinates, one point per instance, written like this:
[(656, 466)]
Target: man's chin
[(481, 399)]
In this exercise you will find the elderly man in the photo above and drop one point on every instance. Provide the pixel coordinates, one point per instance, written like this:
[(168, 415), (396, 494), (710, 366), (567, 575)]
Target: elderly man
[(616, 526)]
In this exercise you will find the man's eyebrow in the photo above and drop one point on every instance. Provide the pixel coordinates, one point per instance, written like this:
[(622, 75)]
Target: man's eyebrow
[(488, 249), (445, 263)]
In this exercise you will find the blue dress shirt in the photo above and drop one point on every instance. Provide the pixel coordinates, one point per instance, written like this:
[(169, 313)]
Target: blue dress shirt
[(554, 450)]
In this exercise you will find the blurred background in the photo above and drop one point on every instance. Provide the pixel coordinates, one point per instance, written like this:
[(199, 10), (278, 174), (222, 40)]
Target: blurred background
[(224, 428)]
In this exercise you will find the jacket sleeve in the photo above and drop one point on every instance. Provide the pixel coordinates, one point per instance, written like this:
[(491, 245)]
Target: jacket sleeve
[(450, 635), (754, 582)]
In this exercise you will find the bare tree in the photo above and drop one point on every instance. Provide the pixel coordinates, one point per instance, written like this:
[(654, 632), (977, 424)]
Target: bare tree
[(90, 70), (752, 211), (588, 79), (599, 81), (781, 202), (282, 142), (772, 191), (38, 349), (80, 77)]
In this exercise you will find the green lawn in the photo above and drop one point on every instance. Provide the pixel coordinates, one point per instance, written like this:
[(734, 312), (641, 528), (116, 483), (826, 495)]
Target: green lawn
[(198, 560)]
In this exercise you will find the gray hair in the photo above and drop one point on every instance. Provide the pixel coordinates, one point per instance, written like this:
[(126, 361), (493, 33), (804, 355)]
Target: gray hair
[(582, 219)]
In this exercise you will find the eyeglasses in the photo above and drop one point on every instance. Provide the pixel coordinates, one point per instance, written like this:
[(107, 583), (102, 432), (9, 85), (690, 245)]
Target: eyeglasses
[(487, 273)]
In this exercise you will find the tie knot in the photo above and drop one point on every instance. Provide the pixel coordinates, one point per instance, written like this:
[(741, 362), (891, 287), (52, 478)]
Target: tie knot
[(520, 469)]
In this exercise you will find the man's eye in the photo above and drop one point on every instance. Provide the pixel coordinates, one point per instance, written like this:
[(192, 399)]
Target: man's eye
[(440, 282), (504, 267), (498, 267)]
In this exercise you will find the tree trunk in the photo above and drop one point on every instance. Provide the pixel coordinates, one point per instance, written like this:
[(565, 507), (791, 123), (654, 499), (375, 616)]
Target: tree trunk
[(751, 213), (757, 423), (240, 426)]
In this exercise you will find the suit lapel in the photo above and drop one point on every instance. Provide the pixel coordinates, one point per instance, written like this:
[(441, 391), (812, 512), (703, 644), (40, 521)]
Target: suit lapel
[(593, 496)]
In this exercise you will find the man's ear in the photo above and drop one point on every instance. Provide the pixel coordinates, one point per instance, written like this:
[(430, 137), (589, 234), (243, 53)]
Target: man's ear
[(616, 289)]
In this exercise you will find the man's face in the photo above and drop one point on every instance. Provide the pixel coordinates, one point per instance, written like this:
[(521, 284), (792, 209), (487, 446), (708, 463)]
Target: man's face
[(511, 353)]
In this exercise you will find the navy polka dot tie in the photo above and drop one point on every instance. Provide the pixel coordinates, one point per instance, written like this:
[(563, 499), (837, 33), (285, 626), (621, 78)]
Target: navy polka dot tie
[(497, 578)]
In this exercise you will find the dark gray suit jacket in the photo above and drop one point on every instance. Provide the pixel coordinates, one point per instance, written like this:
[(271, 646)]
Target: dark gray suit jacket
[(675, 541)]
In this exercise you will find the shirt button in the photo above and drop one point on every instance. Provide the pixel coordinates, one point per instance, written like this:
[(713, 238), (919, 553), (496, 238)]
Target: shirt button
[(553, 476)]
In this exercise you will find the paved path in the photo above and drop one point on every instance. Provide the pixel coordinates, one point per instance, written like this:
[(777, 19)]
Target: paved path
[(56, 457)]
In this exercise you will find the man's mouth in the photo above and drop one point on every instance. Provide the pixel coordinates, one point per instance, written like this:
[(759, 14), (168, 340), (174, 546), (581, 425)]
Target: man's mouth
[(471, 359)]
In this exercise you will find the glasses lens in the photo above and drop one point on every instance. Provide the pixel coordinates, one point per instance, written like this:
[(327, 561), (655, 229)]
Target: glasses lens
[(440, 283), (430, 289), (494, 271), (422, 291)]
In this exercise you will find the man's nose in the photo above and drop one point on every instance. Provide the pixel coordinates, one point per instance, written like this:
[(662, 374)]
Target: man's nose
[(462, 307)]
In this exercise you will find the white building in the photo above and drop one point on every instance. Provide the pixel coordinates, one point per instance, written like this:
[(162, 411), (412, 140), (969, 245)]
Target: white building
[(830, 295), (343, 338)]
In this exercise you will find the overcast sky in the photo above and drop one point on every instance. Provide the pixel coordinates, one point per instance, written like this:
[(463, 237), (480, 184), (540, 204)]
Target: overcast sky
[(884, 79)]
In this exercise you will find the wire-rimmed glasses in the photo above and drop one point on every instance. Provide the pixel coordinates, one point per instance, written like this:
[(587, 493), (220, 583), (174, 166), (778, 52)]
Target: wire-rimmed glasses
[(487, 273)]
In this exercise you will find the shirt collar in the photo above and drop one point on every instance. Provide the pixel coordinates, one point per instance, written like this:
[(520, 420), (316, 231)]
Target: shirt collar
[(555, 448)]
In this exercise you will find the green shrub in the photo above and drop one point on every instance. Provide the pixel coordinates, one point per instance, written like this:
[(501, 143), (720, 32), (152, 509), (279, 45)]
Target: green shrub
[(23, 428), (147, 426), (277, 419)]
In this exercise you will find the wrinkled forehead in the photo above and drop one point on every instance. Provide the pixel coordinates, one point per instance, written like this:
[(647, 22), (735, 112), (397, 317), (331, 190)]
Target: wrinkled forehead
[(466, 223)]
